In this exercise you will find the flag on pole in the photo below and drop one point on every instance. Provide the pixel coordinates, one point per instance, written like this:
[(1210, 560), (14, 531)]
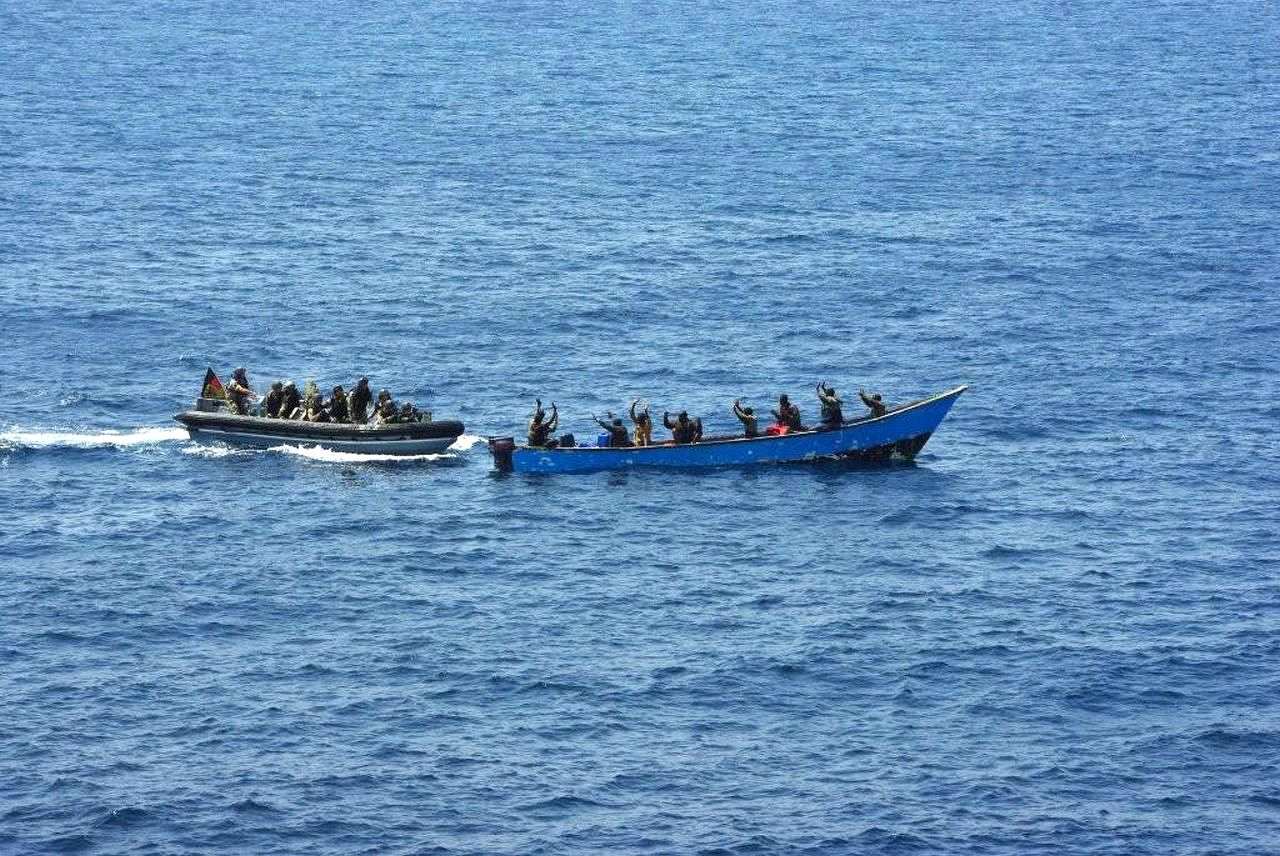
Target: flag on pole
[(212, 386)]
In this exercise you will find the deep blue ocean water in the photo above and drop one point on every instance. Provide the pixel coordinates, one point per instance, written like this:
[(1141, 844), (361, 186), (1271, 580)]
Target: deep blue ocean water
[(1057, 632)]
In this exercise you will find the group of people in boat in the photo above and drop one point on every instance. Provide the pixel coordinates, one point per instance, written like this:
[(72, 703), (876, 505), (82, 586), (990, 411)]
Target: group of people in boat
[(686, 429), (283, 401)]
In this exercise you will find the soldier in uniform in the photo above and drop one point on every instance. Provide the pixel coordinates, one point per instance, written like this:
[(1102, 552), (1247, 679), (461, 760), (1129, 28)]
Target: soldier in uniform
[(239, 393), (290, 401), (271, 404), (337, 405), (359, 400)]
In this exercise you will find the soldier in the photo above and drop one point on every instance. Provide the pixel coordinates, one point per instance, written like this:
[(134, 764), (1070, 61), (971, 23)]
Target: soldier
[(338, 406), (271, 404), (239, 392), (290, 401), (358, 401)]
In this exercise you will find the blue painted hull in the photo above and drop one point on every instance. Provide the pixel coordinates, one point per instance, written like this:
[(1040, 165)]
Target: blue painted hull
[(903, 431)]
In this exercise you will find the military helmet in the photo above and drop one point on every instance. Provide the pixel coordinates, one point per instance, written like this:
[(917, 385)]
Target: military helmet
[(277, 386)]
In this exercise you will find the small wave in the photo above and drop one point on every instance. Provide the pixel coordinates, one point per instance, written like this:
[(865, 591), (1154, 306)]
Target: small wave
[(465, 442), (92, 440), (316, 453), (201, 450)]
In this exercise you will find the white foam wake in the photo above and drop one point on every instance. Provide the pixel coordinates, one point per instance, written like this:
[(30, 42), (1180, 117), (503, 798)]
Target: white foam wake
[(465, 442), (316, 453), (92, 440)]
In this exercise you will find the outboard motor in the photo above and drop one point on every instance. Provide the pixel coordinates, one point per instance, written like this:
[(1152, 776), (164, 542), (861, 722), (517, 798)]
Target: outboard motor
[(501, 448)]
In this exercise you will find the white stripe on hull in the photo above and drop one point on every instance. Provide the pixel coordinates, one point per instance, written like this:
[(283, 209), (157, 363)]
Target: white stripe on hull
[(425, 446)]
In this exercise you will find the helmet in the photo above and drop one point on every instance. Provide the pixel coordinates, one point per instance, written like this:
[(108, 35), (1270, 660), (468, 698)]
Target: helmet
[(364, 381), (290, 385), (782, 399), (238, 373), (338, 390), (277, 386), (384, 394)]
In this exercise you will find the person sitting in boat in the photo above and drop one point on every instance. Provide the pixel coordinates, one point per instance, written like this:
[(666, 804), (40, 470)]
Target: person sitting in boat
[(387, 413), (788, 414), (619, 437), (409, 413), (358, 401), (696, 435), (338, 406), (239, 392), (313, 409), (873, 402), (271, 404), (747, 417), (682, 429), (644, 424), (541, 426), (290, 401), (384, 395), (832, 415)]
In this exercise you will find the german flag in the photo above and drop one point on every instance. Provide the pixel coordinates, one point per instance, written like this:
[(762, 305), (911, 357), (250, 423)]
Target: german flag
[(212, 386)]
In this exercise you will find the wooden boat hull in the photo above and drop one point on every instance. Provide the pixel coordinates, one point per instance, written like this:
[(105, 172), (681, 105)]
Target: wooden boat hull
[(411, 438), (903, 431)]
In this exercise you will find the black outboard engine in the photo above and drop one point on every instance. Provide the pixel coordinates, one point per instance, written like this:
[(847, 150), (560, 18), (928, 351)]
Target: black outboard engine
[(501, 448)]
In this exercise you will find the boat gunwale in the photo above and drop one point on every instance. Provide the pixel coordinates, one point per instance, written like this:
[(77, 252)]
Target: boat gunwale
[(295, 429), (718, 441)]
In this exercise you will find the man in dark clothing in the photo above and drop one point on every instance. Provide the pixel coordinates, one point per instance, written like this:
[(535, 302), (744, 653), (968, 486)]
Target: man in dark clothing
[(682, 429), (832, 415), (387, 412), (874, 402), (314, 410), (618, 434), (358, 402), (239, 392), (271, 404), (747, 417), (290, 401), (540, 426), (337, 405), (788, 414)]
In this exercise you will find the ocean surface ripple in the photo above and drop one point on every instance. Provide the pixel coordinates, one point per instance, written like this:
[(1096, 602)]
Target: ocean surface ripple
[(1056, 632)]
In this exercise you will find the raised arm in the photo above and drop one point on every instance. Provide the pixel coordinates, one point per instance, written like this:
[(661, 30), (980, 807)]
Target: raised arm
[(666, 420)]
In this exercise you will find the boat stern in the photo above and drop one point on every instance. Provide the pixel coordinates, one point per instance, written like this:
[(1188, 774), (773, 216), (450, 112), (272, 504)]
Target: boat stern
[(503, 451)]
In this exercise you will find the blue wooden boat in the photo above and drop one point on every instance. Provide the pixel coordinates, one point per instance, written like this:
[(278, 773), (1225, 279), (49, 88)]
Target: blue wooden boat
[(902, 432)]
